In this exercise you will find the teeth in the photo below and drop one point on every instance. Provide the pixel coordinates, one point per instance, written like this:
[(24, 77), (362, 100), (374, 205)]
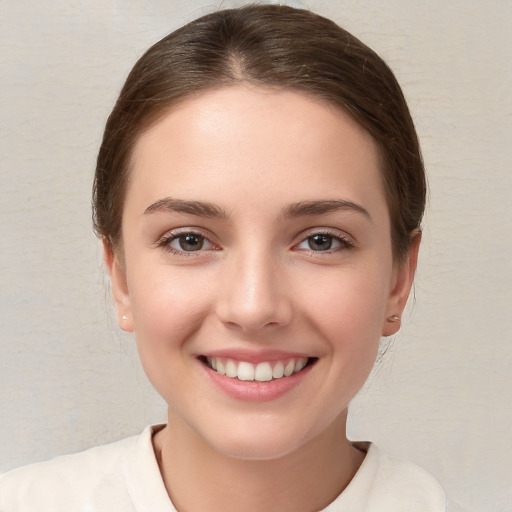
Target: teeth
[(288, 369), (231, 369), (278, 370), (245, 371), (262, 372), (220, 367), (299, 365)]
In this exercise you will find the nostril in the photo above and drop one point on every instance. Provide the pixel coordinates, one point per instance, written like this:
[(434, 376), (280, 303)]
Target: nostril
[(246, 319)]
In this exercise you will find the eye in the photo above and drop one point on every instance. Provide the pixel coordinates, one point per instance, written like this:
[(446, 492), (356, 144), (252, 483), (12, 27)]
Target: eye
[(324, 242), (320, 242), (185, 242), (188, 242)]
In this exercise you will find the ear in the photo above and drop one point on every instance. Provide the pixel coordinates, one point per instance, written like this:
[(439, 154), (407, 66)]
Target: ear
[(401, 287), (119, 287)]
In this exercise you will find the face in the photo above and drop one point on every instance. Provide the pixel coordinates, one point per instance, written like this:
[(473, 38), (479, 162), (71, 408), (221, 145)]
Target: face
[(257, 269)]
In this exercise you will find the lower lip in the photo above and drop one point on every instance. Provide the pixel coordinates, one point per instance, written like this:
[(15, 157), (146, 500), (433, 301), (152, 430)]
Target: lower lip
[(253, 391)]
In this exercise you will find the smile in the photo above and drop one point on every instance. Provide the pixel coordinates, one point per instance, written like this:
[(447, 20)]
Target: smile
[(262, 372)]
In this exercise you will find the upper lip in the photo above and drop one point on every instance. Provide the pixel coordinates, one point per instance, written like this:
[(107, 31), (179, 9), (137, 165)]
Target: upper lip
[(254, 356)]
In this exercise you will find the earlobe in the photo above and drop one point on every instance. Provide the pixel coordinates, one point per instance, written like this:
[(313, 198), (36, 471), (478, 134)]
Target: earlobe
[(119, 286), (403, 279)]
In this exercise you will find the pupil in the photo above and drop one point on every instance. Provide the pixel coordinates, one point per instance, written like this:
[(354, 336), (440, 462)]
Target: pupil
[(191, 242), (320, 242)]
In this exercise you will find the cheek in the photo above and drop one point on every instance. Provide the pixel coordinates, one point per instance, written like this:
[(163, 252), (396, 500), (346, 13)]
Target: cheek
[(165, 297), (347, 308), (168, 308), (349, 298)]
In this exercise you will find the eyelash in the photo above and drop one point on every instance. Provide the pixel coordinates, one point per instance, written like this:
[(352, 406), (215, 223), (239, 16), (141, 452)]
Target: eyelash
[(165, 242), (345, 244)]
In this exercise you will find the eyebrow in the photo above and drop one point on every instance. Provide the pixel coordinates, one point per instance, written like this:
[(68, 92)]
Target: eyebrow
[(301, 209), (169, 204), (321, 207)]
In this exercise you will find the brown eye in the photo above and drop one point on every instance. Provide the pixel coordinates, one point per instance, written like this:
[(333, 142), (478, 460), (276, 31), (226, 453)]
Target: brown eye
[(320, 242), (188, 242), (325, 242)]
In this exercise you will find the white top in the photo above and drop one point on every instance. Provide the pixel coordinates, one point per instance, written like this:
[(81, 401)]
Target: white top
[(124, 477)]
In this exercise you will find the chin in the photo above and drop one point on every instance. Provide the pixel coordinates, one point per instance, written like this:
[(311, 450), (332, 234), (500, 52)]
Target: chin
[(259, 449), (257, 441)]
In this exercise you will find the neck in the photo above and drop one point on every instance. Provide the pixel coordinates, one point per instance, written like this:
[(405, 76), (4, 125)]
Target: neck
[(197, 477)]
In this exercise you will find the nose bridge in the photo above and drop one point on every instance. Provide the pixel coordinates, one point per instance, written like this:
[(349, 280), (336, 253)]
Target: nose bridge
[(254, 293)]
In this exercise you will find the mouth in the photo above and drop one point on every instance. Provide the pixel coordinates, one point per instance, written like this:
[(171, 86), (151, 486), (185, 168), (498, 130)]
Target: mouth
[(264, 371)]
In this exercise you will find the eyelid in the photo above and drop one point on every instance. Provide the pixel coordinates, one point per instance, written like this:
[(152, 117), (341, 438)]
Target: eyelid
[(163, 242), (347, 241)]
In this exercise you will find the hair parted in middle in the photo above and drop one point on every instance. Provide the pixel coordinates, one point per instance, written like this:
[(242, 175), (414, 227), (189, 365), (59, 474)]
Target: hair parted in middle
[(268, 46)]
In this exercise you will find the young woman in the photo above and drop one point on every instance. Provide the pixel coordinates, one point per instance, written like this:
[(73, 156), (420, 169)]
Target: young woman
[(259, 193)]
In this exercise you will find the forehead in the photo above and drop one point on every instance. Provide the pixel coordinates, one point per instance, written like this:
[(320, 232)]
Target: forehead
[(256, 141)]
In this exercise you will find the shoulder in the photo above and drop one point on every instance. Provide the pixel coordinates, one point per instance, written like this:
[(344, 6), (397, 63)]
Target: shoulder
[(386, 484), (403, 485), (70, 482)]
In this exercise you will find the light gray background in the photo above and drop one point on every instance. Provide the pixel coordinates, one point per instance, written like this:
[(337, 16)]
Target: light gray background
[(70, 379)]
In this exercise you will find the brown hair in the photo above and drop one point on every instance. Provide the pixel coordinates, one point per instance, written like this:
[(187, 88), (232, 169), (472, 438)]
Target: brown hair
[(269, 46)]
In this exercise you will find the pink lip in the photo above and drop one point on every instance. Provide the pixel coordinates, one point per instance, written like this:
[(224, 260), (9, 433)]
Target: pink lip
[(255, 357), (252, 391)]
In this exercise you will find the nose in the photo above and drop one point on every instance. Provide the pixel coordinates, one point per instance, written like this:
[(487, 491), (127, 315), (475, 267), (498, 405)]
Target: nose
[(254, 295)]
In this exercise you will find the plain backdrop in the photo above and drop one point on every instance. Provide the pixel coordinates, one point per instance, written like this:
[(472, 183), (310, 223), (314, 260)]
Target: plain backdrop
[(70, 379)]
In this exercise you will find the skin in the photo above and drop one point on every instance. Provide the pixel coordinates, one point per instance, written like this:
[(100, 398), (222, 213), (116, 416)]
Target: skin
[(257, 285)]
